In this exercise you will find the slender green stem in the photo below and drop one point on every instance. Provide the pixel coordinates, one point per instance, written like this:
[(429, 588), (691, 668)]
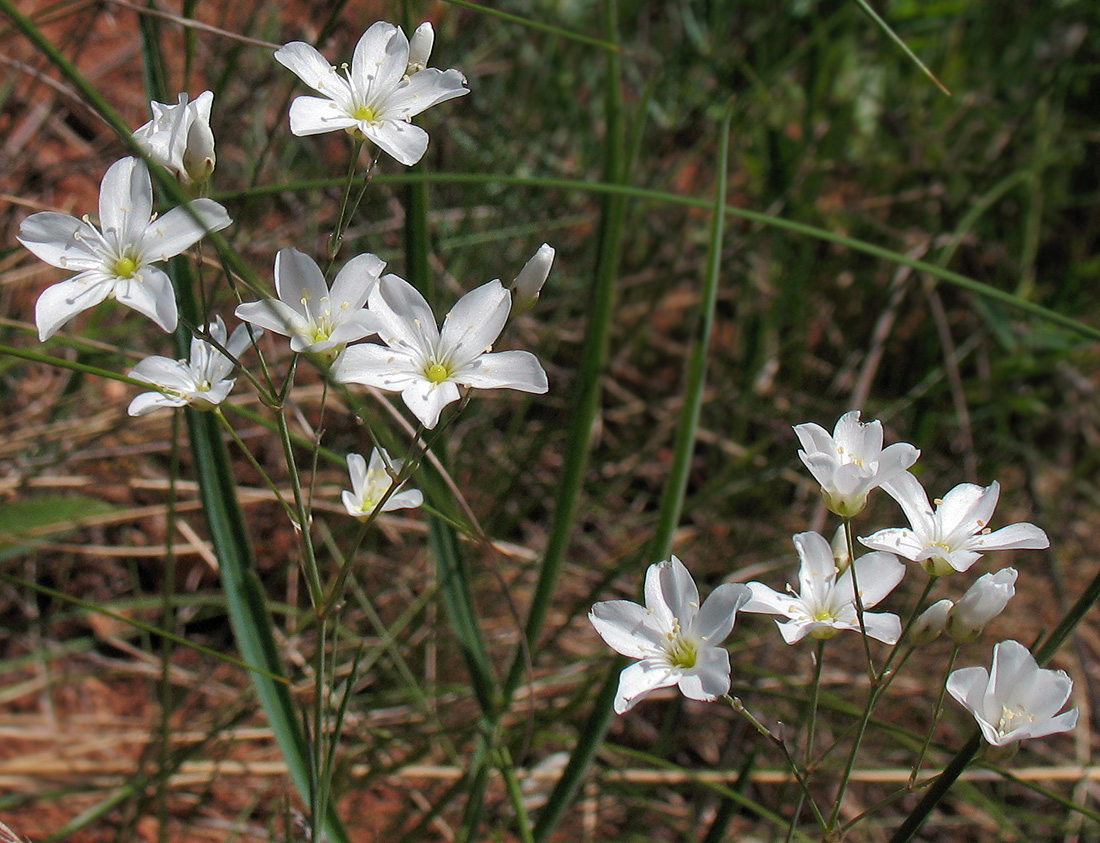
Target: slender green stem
[(918, 607), (849, 538), (815, 693), (343, 219), (247, 452), (936, 712), (738, 706), (893, 36), (846, 776), (302, 518)]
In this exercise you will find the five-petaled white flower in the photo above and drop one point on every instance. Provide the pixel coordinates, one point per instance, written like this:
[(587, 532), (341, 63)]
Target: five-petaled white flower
[(370, 483), (675, 639), (851, 462), (427, 366), (826, 604), (203, 381), (376, 97), (316, 318), (956, 534), (1017, 699), (116, 259), (179, 138)]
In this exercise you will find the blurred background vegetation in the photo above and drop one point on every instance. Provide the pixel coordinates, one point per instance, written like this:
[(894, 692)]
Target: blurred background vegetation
[(834, 128)]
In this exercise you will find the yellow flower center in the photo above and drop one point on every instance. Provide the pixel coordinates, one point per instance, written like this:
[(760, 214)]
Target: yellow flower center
[(823, 615), (125, 267), (364, 112), (437, 373)]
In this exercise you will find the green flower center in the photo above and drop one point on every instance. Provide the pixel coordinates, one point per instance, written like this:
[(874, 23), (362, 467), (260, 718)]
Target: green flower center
[(823, 615), (364, 112), (682, 652), (437, 373), (125, 267)]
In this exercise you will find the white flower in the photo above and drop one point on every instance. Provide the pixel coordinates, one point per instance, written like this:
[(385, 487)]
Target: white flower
[(954, 536), (1017, 700), (374, 97), (427, 366), (675, 640), (930, 623), (851, 462), (179, 138), (202, 381), (315, 318), (369, 484), (826, 604), (115, 259), (528, 284), (981, 603)]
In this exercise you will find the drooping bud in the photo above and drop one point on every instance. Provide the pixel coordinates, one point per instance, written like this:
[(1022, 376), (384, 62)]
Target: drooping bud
[(420, 48), (528, 284), (982, 602), (930, 624)]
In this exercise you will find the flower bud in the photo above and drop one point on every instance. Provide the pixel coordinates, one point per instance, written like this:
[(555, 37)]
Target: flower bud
[(198, 155), (528, 284), (982, 602), (420, 48), (840, 550), (930, 623)]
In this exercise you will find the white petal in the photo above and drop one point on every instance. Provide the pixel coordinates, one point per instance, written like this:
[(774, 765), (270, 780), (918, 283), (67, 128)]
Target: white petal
[(768, 601), (626, 627), (357, 470), (299, 282), (795, 630), (966, 510), (312, 68), (882, 626), (178, 230), (817, 572), (376, 365), (641, 679), (423, 90), (409, 499), (505, 370), (710, 678), (150, 293), (815, 439), (426, 400), (60, 240), (406, 142), (64, 300), (314, 116), (896, 540), (163, 371), (125, 200), (355, 281), (1021, 536), (678, 591), (474, 323), (913, 500), (379, 60), (405, 318), (876, 574), (148, 402), (718, 612)]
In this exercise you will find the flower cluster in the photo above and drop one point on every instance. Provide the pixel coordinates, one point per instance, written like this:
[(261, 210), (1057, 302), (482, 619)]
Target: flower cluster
[(677, 643), (375, 99)]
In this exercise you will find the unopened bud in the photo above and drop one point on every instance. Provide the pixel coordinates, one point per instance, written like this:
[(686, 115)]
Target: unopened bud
[(198, 155), (840, 549), (528, 284), (420, 48), (930, 624), (982, 602)]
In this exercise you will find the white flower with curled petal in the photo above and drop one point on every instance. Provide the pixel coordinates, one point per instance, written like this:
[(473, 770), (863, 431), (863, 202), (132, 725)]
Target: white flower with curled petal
[(851, 462), (825, 603), (954, 535), (317, 319), (202, 382), (376, 98), (426, 365), (370, 483), (115, 260), (674, 638), (1017, 699), (179, 137)]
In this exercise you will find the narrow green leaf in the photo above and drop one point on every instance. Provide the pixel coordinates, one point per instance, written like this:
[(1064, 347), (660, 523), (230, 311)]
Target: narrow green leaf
[(538, 25), (893, 36)]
